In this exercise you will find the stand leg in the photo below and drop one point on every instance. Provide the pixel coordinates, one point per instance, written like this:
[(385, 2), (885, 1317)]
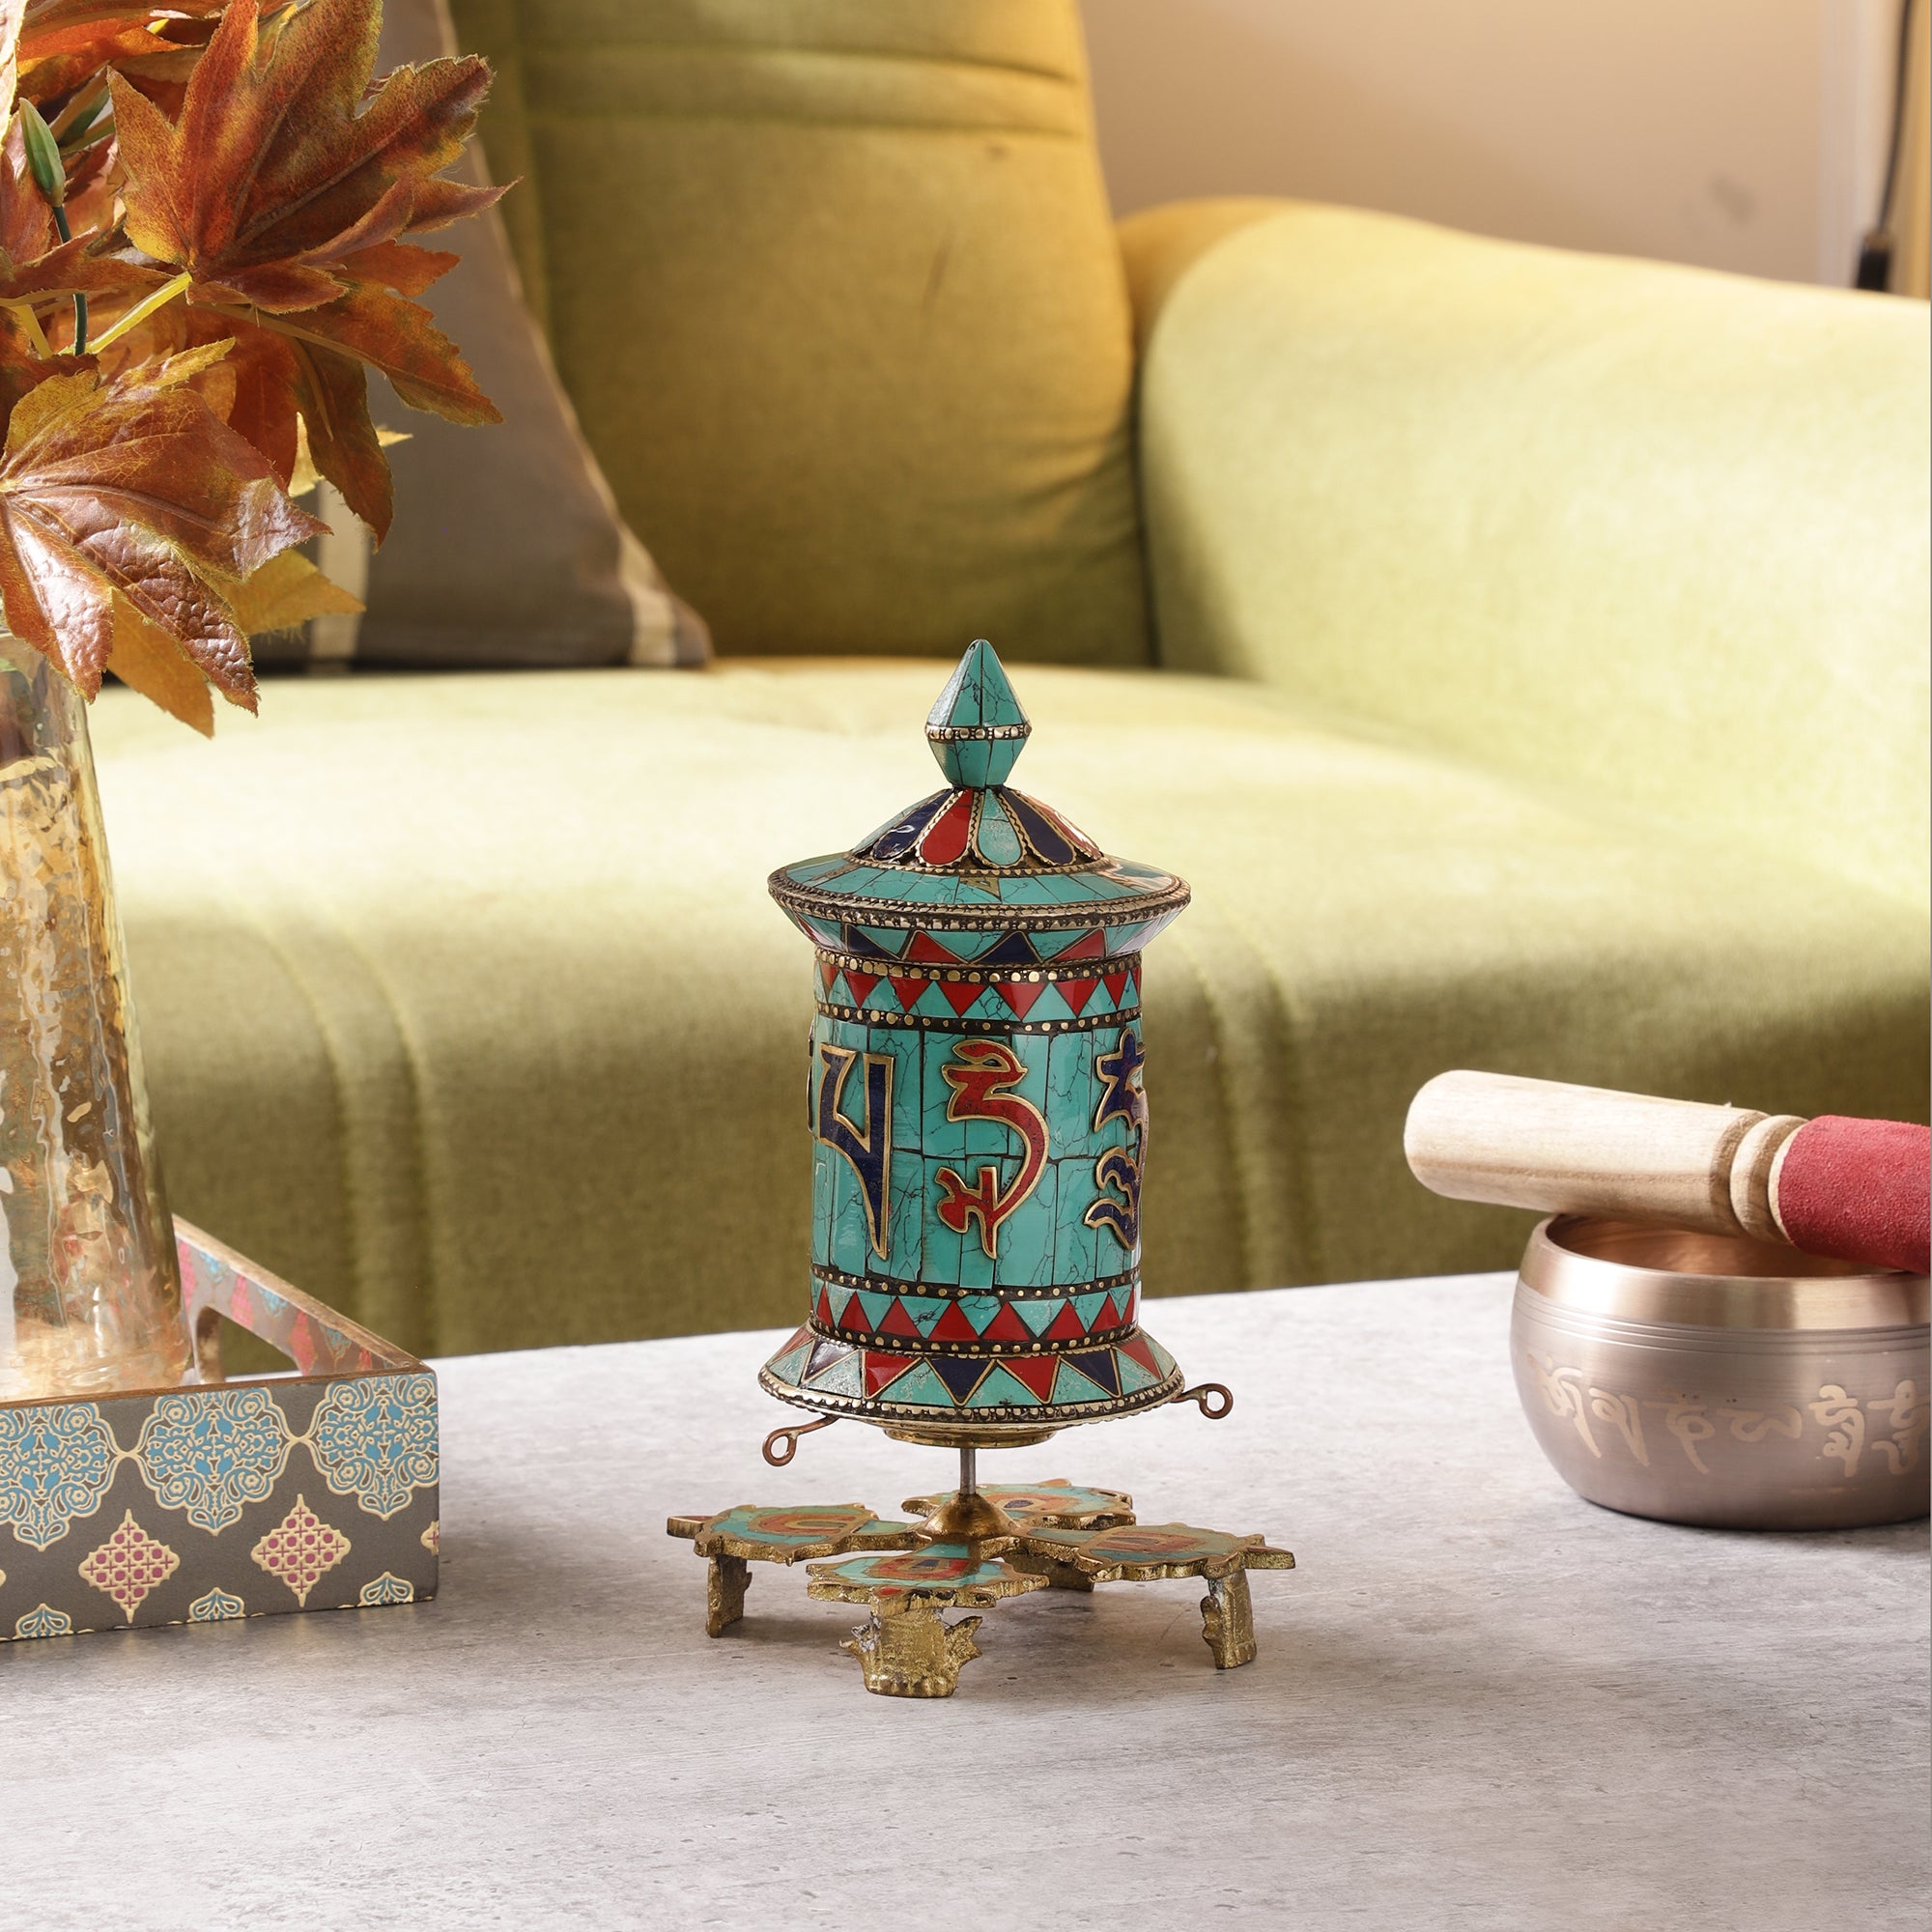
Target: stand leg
[(1228, 1621), (725, 1581), (909, 1650)]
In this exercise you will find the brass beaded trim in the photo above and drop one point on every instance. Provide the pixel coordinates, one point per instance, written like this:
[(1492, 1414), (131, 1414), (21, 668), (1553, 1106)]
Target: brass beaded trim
[(935, 1023), (1050, 972), (880, 1284)]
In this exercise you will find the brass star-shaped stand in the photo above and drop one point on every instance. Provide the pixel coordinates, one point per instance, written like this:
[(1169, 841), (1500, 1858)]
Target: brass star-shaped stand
[(969, 1550)]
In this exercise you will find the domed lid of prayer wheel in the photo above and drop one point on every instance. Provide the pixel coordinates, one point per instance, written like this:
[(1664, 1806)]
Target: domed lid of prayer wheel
[(978, 869)]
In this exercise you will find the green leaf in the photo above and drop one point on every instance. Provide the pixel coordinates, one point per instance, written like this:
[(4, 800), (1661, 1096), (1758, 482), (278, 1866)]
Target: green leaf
[(43, 158), (70, 135)]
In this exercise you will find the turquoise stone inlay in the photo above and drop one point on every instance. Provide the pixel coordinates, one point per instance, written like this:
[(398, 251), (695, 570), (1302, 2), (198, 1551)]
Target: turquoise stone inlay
[(921, 1387), (978, 699), (784, 1534), (1087, 1307), (1076, 1256), (846, 1376), (790, 1366), (1072, 1386), (939, 1566), (1026, 1238), (1002, 1388), (995, 834)]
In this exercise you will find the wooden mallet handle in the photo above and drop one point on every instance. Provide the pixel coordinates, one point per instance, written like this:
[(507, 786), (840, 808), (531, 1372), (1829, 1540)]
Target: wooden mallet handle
[(1855, 1189)]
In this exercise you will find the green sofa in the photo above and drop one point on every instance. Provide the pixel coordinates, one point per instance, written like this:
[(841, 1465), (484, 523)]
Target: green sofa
[(1523, 654)]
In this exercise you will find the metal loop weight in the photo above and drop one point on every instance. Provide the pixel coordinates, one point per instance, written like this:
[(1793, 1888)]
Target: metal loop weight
[(782, 1444), (1213, 1399)]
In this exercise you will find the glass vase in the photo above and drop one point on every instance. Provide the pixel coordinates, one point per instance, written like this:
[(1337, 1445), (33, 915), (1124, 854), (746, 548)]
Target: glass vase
[(90, 1285)]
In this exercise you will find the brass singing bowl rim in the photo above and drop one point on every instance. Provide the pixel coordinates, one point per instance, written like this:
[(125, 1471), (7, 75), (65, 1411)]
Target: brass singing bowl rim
[(1633, 1272)]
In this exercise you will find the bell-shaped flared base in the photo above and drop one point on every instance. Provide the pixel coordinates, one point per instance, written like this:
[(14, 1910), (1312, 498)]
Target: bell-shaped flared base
[(960, 1397)]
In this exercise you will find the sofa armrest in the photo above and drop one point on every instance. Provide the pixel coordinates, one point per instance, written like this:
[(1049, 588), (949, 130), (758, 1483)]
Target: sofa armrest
[(1653, 532)]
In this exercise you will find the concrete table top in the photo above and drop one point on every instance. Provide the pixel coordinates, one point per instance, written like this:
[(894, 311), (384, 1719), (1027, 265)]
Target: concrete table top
[(1480, 1701)]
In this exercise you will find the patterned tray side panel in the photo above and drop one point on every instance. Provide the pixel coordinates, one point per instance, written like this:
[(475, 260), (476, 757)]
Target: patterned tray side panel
[(243, 1499)]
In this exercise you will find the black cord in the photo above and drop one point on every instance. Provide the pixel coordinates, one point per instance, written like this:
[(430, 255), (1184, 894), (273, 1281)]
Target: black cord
[(1898, 93), (1874, 270)]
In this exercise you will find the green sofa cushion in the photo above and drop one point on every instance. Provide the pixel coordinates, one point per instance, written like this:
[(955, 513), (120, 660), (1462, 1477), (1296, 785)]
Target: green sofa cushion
[(834, 289), (1648, 531), (466, 1008)]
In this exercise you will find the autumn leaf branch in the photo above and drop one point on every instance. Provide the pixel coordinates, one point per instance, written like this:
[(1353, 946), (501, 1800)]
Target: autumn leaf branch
[(219, 193)]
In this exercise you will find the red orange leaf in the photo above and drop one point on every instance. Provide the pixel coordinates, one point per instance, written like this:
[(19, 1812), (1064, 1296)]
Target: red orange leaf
[(137, 491), (399, 338), (72, 27), (342, 440), (75, 268), (249, 161), (150, 660), (399, 265), (275, 157), (285, 185), (289, 590), (13, 16)]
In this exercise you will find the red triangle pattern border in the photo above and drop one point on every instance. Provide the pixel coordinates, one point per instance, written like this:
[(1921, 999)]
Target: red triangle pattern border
[(897, 1324)]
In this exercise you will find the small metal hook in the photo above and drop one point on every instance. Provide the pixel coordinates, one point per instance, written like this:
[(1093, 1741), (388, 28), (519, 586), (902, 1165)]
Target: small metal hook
[(1205, 1395), (777, 1458)]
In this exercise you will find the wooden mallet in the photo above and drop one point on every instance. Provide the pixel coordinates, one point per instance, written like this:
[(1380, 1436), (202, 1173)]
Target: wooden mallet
[(1857, 1190)]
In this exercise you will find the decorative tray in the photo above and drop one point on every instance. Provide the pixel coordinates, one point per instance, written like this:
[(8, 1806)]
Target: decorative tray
[(225, 1498)]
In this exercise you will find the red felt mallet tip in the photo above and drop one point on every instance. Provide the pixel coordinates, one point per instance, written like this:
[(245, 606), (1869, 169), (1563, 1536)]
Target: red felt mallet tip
[(1861, 1190)]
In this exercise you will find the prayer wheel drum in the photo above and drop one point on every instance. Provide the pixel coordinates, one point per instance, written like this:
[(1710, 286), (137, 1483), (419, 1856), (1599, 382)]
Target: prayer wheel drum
[(975, 1098)]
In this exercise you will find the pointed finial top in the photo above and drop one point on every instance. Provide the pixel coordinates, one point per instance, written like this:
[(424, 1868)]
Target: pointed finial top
[(977, 729)]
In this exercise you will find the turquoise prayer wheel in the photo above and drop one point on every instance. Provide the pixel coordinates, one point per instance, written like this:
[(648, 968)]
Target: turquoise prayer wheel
[(977, 1108)]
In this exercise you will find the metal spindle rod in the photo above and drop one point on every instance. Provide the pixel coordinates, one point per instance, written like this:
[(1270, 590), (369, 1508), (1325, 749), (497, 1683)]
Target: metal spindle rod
[(969, 1472)]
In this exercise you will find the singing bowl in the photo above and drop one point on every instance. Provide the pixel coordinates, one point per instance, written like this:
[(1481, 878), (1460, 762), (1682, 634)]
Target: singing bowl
[(1733, 1383)]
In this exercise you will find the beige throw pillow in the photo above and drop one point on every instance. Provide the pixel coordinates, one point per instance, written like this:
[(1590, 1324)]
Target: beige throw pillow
[(507, 547)]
